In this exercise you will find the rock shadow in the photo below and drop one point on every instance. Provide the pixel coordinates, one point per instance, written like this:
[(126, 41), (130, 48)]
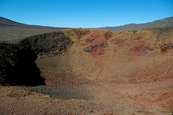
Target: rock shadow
[(65, 93)]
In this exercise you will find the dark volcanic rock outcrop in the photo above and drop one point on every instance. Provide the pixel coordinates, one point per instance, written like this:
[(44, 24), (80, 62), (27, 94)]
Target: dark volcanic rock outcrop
[(17, 61), (18, 67), (8, 59), (54, 43)]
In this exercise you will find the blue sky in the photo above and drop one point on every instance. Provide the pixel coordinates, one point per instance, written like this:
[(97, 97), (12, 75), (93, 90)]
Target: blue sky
[(85, 13)]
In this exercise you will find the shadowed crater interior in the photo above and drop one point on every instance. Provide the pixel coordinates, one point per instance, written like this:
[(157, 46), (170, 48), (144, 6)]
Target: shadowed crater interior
[(26, 71), (17, 67), (17, 61)]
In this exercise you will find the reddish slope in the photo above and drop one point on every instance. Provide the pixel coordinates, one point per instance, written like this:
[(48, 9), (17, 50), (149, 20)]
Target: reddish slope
[(104, 55)]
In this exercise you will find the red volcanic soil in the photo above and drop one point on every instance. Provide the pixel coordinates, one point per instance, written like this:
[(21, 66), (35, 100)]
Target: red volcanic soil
[(123, 72), (145, 94), (139, 49)]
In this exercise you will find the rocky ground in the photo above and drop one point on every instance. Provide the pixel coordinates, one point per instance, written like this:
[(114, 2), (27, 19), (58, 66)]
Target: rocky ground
[(95, 71)]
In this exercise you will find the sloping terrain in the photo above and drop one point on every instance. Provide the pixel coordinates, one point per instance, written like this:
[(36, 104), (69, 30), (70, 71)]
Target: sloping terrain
[(10, 23), (7, 22), (91, 71), (11, 31), (166, 22)]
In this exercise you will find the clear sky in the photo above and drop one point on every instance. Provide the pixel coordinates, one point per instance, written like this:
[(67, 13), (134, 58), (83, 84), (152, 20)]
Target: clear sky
[(85, 13)]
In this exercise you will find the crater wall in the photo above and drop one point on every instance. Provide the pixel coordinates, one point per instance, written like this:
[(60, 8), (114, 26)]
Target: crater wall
[(77, 56)]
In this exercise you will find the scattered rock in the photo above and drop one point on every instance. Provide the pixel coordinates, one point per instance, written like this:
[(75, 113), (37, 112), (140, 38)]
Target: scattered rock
[(151, 49), (101, 44), (88, 49)]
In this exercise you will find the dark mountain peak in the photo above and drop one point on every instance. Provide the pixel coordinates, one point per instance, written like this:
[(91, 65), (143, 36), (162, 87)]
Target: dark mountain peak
[(8, 22)]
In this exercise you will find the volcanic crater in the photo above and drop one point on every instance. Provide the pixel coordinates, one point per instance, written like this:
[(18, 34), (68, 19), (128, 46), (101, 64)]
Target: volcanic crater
[(96, 68)]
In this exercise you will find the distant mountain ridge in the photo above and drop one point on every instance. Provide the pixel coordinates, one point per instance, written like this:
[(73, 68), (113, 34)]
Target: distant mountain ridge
[(166, 22), (8, 22)]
